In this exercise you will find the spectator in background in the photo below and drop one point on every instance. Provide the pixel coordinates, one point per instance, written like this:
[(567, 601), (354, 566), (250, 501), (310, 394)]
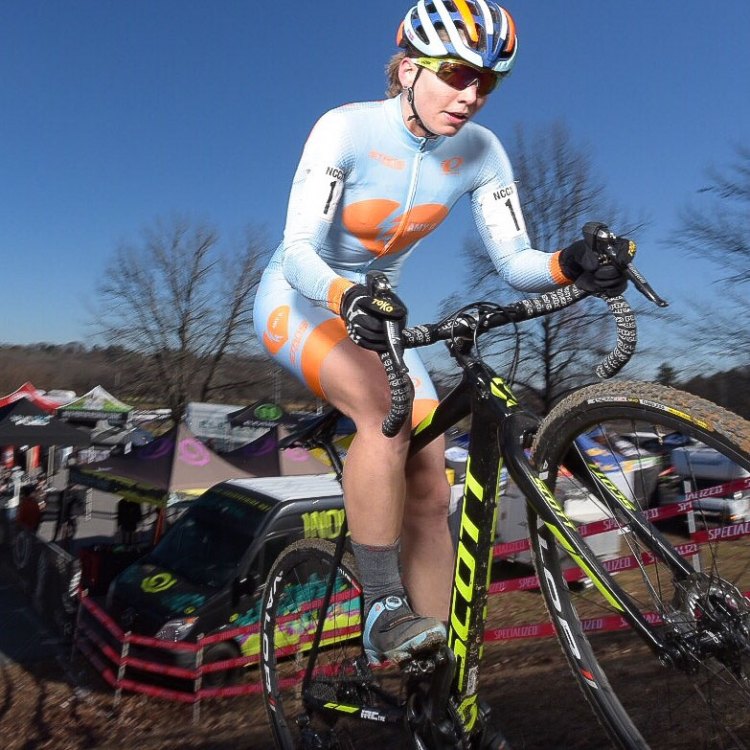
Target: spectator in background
[(30, 509), (66, 524), (6, 485), (128, 517)]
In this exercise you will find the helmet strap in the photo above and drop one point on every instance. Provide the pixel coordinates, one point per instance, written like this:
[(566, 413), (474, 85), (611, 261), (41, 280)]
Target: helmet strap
[(414, 116)]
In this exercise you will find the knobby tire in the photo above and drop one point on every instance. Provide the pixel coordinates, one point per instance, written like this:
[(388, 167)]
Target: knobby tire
[(705, 702)]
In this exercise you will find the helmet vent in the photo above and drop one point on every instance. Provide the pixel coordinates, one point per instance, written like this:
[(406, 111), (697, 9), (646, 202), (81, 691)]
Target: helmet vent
[(481, 43)]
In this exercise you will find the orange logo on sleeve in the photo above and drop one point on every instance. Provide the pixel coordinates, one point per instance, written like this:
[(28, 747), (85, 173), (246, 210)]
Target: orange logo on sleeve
[(277, 329)]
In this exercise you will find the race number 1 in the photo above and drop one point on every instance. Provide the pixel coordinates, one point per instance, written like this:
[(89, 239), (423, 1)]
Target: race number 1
[(507, 214), (329, 187)]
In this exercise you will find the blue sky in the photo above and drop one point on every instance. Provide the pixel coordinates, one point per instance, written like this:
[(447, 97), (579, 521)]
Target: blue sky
[(113, 114)]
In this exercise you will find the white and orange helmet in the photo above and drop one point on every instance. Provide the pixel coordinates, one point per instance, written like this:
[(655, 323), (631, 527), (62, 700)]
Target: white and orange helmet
[(478, 31)]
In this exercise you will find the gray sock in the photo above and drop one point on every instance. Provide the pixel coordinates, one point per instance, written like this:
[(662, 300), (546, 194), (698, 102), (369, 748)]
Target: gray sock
[(379, 571)]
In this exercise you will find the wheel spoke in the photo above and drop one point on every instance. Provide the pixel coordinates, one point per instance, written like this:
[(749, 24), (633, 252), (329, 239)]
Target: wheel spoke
[(660, 450)]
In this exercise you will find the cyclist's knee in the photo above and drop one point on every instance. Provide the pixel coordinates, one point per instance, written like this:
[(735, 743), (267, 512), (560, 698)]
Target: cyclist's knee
[(428, 496), (368, 412)]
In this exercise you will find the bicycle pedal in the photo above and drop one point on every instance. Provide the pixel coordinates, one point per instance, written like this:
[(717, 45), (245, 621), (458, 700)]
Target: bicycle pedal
[(419, 666)]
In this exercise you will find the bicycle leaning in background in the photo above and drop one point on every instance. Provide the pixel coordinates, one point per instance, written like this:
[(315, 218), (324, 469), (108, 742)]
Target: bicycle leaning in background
[(677, 612)]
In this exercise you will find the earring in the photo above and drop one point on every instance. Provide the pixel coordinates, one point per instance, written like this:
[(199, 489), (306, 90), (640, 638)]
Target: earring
[(409, 94)]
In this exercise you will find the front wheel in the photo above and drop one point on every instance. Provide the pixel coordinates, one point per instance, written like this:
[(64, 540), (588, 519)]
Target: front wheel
[(656, 446)]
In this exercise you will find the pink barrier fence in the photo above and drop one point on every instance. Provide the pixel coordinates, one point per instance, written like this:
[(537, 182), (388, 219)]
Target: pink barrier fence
[(544, 629), (110, 657), (111, 661)]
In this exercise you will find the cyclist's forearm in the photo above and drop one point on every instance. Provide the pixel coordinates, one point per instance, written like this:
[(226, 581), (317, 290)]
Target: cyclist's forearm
[(310, 275)]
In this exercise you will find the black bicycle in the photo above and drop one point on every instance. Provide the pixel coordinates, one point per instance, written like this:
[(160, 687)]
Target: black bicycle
[(657, 636)]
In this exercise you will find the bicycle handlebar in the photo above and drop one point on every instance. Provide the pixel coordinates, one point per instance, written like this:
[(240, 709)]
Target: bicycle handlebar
[(527, 309), (402, 389), (464, 325)]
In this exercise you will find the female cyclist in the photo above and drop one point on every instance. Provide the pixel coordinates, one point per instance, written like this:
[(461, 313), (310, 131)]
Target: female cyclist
[(373, 180)]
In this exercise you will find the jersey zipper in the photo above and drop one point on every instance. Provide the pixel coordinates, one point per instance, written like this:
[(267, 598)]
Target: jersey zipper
[(409, 198)]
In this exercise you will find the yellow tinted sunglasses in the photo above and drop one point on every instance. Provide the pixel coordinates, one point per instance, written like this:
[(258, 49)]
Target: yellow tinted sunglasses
[(460, 75)]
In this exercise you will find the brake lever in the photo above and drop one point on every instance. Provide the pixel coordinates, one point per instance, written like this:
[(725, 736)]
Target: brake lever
[(638, 279), (601, 239), (640, 283)]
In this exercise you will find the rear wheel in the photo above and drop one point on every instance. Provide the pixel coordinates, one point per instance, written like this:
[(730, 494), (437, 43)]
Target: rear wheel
[(694, 446), (290, 615)]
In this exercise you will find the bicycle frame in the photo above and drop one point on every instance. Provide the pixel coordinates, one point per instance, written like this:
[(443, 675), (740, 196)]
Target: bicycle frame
[(499, 427)]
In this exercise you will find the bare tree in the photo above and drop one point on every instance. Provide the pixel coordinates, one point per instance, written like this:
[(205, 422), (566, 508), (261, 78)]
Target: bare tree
[(183, 304), (559, 192), (666, 374), (716, 227)]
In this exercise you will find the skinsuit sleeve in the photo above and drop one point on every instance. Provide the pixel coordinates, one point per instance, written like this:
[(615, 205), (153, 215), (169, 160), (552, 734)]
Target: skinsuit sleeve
[(499, 219), (313, 202)]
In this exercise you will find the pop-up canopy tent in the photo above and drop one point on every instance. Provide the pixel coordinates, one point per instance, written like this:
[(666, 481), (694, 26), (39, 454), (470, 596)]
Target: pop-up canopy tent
[(263, 457), (174, 464), (113, 435), (24, 423), (95, 406), (259, 414), (33, 394)]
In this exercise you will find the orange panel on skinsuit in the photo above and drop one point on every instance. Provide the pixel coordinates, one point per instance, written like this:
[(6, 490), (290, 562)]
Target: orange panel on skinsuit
[(422, 407), (277, 329), (316, 348), (336, 292), (374, 224)]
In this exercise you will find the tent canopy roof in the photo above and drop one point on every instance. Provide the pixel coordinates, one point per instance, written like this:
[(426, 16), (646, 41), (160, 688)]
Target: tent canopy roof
[(176, 462), (29, 391), (24, 423), (97, 399)]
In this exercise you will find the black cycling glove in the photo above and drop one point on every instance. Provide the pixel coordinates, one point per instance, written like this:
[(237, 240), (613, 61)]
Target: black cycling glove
[(596, 273), (366, 314)]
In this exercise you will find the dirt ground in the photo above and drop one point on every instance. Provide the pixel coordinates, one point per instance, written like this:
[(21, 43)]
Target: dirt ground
[(61, 704)]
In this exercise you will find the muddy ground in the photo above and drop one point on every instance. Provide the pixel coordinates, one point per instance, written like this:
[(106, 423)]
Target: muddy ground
[(61, 705), (59, 702)]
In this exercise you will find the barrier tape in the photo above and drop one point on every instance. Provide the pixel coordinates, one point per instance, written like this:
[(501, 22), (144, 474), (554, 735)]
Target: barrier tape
[(158, 692), (103, 646), (102, 617), (722, 533), (738, 485), (159, 668), (546, 628), (144, 640), (97, 663), (92, 646), (524, 583), (615, 565), (506, 549)]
